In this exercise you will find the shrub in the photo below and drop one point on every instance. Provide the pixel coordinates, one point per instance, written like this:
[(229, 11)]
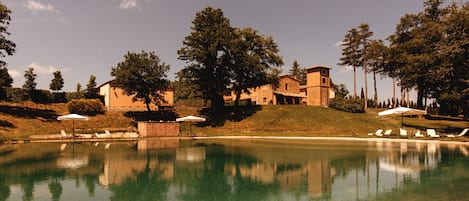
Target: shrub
[(86, 106), (353, 105)]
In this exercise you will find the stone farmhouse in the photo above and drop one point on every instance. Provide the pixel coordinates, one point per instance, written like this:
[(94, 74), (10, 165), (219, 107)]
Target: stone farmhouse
[(116, 100), (316, 92)]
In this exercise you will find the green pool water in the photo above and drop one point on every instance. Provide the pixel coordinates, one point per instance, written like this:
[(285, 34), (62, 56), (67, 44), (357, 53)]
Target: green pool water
[(235, 170)]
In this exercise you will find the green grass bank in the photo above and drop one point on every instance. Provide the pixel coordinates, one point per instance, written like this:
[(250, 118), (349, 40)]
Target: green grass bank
[(19, 121)]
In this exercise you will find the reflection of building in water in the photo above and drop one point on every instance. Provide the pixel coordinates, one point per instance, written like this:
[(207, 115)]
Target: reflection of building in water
[(190, 154), (121, 167), (316, 174), (157, 144)]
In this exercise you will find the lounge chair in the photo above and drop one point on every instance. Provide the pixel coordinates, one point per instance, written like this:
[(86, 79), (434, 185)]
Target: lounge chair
[(463, 132), (403, 132), (388, 132), (418, 134), (432, 133), (378, 132), (108, 133), (63, 133)]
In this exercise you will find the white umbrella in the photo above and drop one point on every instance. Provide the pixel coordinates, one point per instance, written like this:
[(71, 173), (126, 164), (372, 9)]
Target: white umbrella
[(191, 119), (402, 111), (72, 117)]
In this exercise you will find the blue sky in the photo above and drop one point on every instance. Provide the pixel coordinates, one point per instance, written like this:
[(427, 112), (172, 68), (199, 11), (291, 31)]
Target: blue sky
[(89, 37)]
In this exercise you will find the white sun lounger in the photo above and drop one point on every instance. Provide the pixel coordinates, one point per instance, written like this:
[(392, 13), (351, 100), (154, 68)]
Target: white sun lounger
[(418, 134), (388, 132), (378, 132), (432, 133), (464, 132), (403, 132)]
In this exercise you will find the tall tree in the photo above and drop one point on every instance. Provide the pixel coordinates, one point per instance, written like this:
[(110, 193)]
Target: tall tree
[(298, 72), (351, 54), (452, 85), (29, 85), (7, 47), (377, 54), (91, 91), (207, 55), (364, 35), (253, 56), (57, 83), (143, 75), (416, 44)]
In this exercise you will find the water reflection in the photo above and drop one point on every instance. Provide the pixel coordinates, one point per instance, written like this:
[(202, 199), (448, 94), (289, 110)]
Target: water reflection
[(234, 170)]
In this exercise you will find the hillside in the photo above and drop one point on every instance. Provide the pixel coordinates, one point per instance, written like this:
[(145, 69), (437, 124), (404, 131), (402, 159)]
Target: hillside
[(18, 121)]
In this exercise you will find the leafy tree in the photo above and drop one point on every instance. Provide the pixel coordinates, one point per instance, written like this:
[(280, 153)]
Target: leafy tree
[(57, 83), (351, 54), (452, 87), (7, 47), (5, 78), (298, 72), (5, 81), (221, 58), (78, 87), (253, 58), (184, 89), (206, 51), (91, 92), (341, 90), (143, 75), (415, 44), (29, 86)]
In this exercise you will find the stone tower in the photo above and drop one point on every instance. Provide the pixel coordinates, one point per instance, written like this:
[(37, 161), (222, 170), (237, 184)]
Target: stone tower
[(318, 84)]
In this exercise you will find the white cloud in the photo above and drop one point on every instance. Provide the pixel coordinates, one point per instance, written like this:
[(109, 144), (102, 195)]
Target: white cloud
[(44, 69), (339, 44), (346, 69), (37, 6), (14, 73), (128, 4)]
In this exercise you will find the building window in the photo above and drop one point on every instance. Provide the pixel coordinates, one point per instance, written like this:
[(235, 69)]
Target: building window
[(323, 71), (324, 80), (264, 99), (286, 86)]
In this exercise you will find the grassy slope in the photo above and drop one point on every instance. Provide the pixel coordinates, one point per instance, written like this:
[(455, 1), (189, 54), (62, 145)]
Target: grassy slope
[(292, 120), (20, 121)]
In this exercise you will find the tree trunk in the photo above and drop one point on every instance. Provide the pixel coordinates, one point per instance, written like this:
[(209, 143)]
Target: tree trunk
[(354, 82), (393, 92), (420, 94), (375, 88), (238, 97), (147, 103), (366, 86)]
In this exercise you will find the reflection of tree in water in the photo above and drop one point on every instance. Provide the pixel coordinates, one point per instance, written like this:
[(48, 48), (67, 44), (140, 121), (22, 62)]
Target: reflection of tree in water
[(90, 182), (148, 185), (28, 187), (55, 189), (209, 180), (4, 188)]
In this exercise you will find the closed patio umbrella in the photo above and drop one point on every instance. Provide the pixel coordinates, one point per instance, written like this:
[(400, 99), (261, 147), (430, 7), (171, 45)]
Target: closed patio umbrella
[(402, 111)]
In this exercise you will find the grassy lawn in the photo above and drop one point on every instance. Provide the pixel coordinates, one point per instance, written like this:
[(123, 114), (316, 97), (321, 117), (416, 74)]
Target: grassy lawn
[(19, 121)]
